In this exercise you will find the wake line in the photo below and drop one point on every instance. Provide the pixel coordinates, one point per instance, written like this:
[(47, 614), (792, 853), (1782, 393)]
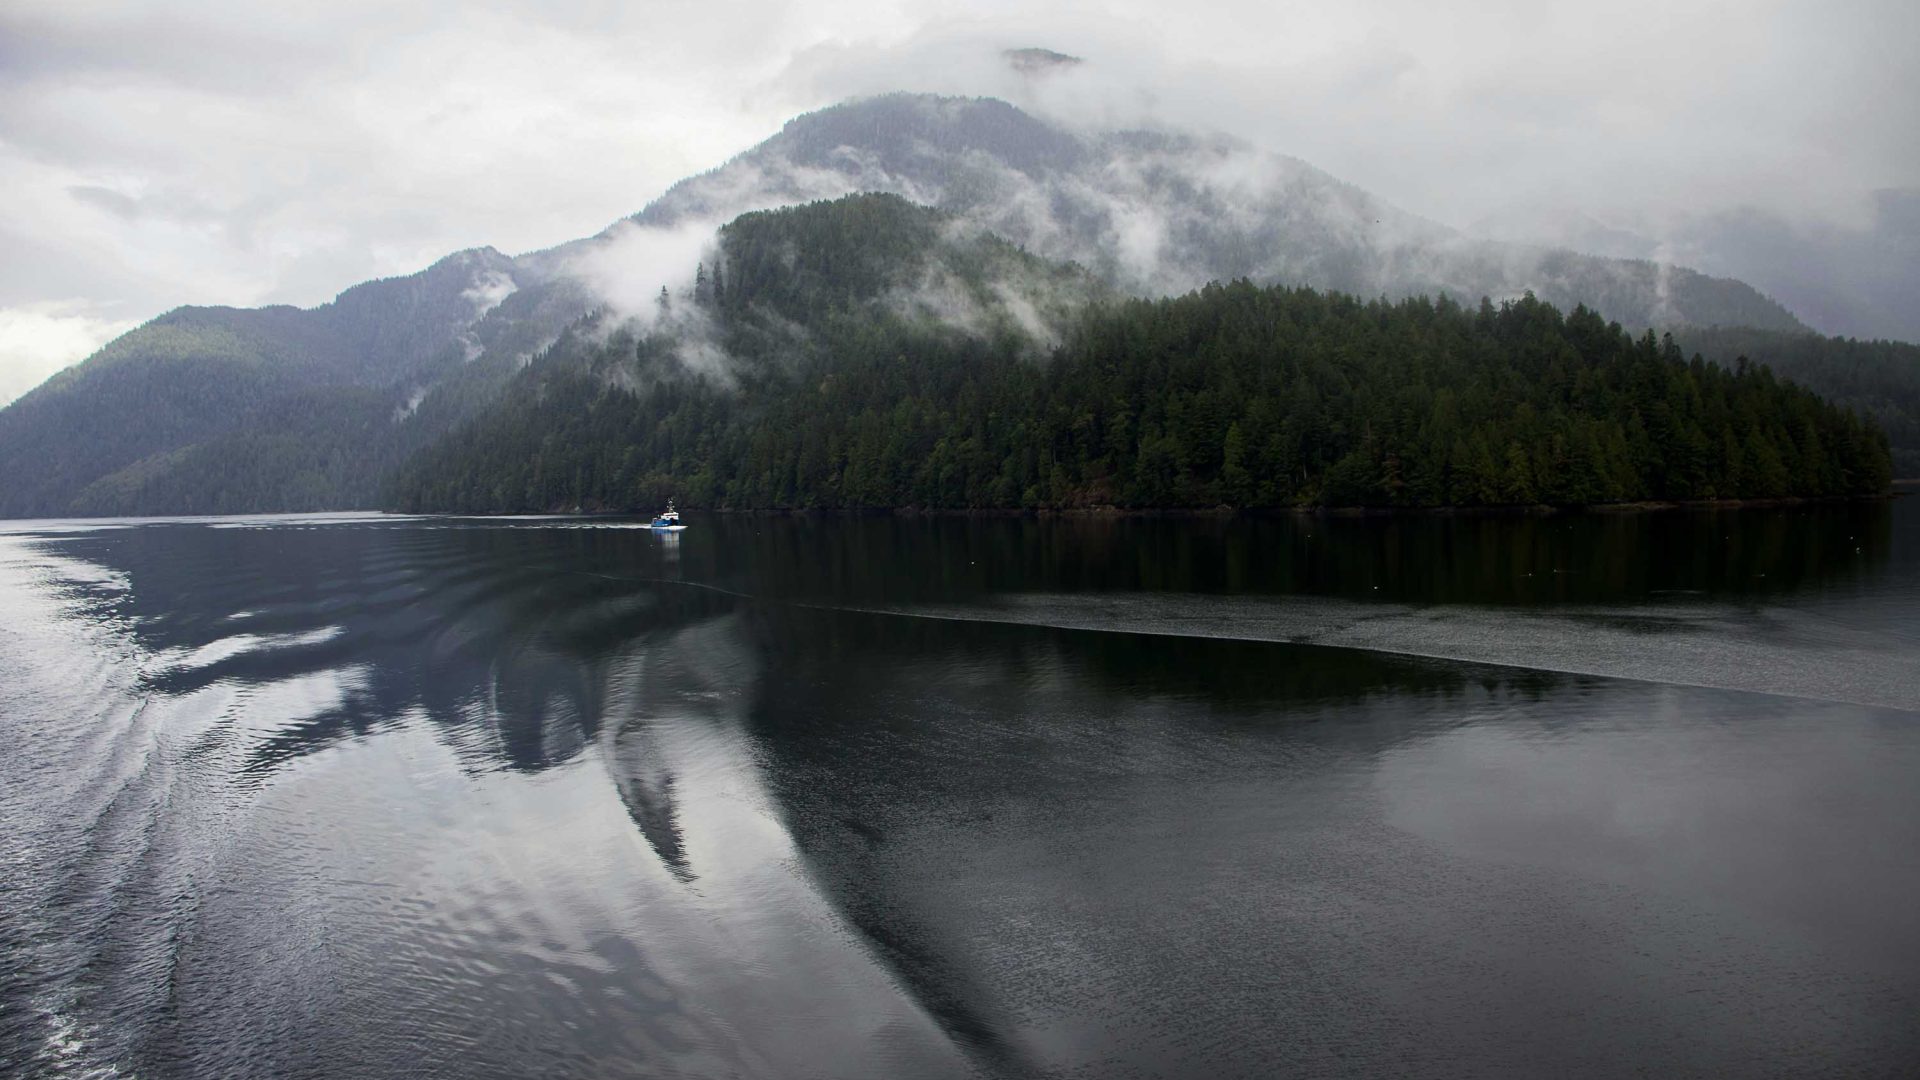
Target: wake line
[(1903, 704), (668, 581), (1714, 650)]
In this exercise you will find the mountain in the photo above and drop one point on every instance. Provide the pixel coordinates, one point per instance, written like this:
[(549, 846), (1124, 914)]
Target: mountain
[(837, 298), (1848, 279), (881, 354), (294, 397), (1853, 280), (226, 410), (1164, 212)]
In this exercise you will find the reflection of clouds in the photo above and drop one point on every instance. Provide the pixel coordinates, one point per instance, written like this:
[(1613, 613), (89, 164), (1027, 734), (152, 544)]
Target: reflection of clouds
[(1695, 793), (229, 647), (463, 794)]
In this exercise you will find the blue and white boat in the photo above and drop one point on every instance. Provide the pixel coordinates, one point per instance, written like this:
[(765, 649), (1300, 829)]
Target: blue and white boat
[(667, 520)]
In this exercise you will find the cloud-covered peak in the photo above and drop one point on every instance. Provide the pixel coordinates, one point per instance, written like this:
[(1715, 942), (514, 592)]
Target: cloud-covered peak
[(1036, 61), (1154, 211)]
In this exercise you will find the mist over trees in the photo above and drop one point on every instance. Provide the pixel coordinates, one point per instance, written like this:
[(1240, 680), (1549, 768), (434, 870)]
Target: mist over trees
[(1160, 212), (1236, 395)]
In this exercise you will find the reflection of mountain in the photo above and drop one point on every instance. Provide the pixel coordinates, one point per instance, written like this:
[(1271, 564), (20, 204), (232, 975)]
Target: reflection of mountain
[(657, 693), (522, 646), (505, 749), (926, 766), (522, 643), (501, 637), (1116, 848), (646, 787)]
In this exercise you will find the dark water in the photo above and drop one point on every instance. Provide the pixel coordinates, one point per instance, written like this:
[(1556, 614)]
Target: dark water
[(1604, 796)]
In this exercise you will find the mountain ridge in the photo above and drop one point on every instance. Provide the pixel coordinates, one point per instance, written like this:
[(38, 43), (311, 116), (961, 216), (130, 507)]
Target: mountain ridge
[(839, 396), (1225, 209)]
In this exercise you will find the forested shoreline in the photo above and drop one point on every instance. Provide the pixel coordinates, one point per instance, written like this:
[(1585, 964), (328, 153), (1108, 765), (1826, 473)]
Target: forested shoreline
[(1192, 513), (1236, 395)]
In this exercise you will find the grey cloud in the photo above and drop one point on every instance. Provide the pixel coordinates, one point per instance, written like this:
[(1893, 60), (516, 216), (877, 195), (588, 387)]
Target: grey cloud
[(1455, 120), (159, 152), (36, 271), (113, 202)]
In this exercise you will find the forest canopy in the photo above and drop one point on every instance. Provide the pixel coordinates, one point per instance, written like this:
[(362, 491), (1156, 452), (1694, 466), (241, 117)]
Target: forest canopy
[(839, 396)]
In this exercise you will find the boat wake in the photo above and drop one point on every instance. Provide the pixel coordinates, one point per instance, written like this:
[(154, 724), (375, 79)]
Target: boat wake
[(1784, 651)]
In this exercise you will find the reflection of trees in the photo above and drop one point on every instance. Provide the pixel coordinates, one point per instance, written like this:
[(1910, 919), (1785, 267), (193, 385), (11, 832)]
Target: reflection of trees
[(1426, 558), (833, 653), (507, 638), (880, 729), (504, 637)]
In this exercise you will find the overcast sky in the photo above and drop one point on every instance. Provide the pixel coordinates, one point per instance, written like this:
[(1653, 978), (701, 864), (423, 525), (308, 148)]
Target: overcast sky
[(236, 152)]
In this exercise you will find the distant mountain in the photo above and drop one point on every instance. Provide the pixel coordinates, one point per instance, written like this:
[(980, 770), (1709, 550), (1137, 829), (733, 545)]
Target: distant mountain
[(153, 406), (1856, 281), (225, 410), (1878, 379), (1852, 280)]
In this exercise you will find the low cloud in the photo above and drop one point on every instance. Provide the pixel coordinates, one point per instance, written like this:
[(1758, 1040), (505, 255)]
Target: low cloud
[(644, 275), (1800, 108), (632, 265), (37, 340)]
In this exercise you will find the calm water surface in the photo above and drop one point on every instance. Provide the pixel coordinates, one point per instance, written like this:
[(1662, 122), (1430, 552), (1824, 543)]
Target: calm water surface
[(1579, 796)]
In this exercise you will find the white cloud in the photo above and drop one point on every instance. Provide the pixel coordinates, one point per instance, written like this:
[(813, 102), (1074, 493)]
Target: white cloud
[(633, 264), (161, 152), (1454, 111), (37, 340)]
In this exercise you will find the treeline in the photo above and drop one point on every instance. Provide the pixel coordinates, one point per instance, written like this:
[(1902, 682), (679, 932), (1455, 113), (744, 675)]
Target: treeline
[(1234, 395), (1877, 379), (320, 448), (153, 391)]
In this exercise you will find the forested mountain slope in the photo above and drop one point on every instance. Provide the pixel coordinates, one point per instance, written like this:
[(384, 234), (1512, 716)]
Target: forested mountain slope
[(136, 410), (1877, 379), (841, 392)]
